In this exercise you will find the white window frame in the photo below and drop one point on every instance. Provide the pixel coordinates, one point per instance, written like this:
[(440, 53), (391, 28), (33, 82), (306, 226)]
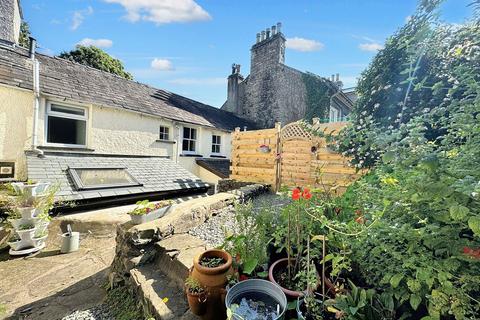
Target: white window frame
[(216, 144), (49, 112), (188, 139), (335, 114), (160, 133)]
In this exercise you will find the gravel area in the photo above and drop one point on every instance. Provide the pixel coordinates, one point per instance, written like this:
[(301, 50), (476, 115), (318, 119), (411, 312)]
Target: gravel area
[(213, 231), (99, 312)]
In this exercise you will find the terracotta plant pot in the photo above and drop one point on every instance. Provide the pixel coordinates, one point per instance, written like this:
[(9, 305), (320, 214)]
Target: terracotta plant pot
[(214, 281), (213, 277), (197, 302), (278, 264)]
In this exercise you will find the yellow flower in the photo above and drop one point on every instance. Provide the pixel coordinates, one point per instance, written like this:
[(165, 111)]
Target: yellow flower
[(452, 153), (389, 181), (165, 300)]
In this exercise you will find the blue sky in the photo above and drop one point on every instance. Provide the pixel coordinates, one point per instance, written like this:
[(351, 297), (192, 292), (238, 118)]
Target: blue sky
[(188, 46)]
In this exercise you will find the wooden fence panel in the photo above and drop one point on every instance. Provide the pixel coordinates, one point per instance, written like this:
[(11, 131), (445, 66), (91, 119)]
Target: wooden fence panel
[(296, 158)]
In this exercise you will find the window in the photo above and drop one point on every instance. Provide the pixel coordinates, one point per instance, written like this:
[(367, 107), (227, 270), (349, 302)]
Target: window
[(216, 143), (164, 133), (66, 125), (189, 140), (101, 178), (335, 114)]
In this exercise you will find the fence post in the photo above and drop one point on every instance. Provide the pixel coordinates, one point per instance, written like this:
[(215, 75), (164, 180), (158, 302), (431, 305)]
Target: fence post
[(278, 153)]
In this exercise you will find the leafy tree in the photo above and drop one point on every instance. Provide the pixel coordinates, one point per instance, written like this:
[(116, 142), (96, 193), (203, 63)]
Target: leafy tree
[(98, 59), (24, 40)]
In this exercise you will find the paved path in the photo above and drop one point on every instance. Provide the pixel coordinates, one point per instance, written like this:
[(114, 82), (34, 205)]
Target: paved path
[(50, 285)]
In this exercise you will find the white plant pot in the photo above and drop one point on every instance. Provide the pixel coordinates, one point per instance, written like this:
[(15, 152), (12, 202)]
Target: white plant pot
[(31, 190), (41, 227), (26, 235), (28, 212), (153, 215), (16, 245), (16, 223), (39, 242)]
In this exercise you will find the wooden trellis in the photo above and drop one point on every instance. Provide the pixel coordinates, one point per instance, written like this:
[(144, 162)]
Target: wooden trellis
[(295, 157)]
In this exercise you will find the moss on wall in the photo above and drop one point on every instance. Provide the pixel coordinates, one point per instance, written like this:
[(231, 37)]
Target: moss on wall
[(318, 95)]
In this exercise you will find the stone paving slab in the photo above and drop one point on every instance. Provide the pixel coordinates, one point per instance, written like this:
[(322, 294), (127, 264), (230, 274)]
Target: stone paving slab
[(49, 285)]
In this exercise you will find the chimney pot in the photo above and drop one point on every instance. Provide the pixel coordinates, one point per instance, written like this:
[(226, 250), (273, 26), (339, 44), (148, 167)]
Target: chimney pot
[(274, 30), (338, 77), (263, 35), (32, 47), (267, 32), (279, 27), (258, 37)]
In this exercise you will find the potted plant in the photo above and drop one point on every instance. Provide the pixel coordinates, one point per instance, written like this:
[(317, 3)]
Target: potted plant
[(255, 299), (196, 296), (291, 237), (146, 211), (30, 188), (263, 148), (212, 268)]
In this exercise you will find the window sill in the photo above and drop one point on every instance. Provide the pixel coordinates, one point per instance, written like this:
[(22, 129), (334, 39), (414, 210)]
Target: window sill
[(190, 155), (47, 148), (217, 156), (166, 141)]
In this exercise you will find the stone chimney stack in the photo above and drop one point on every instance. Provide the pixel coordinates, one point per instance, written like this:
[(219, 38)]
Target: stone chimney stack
[(269, 50), (10, 21), (234, 81)]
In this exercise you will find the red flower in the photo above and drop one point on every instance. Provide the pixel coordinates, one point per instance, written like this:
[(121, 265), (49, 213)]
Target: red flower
[(359, 220), (242, 277), (358, 212), (296, 194), (306, 194), (474, 253)]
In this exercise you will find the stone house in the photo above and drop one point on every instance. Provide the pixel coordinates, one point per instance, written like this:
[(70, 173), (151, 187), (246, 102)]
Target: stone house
[(97, 134), (274, 92)]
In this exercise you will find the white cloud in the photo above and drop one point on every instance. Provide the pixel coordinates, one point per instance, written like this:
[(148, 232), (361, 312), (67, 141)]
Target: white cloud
[(79, 16), (199, 81), (303, 45), (372, 47), (99, 43), (163, 11), (161, 64)]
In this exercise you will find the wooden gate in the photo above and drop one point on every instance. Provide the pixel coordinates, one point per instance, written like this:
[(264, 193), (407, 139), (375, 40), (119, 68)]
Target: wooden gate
[(295, 157), (307, 161)]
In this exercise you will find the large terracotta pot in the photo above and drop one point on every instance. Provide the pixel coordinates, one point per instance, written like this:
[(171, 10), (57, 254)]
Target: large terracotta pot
[(282, 263), (197, 302), (214, 281)]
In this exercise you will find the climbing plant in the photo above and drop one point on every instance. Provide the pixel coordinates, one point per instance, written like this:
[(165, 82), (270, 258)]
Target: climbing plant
[(318, 95)]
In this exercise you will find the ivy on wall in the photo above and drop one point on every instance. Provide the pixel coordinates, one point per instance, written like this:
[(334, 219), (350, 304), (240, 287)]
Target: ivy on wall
[(318, 95)]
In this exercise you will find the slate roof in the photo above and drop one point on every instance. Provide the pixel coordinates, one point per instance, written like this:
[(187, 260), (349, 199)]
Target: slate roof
[(76, 82), (220, 167), (156, 174)]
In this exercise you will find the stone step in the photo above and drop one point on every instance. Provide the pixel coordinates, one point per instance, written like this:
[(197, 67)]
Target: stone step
[(161, 293)]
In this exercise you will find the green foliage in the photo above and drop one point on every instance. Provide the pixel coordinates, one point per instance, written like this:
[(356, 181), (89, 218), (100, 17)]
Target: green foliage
[(318, 94), (98, 59), (364, 304), (248, 244), (24, 39), (123, 306), (144, 207), (193, 285)]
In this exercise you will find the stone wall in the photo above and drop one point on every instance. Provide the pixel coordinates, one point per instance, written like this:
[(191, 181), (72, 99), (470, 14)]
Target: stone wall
[(153, 259)]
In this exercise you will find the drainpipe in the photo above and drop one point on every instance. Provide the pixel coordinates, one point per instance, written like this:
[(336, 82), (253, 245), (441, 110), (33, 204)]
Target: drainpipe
[(177, 141), (36, 98)]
